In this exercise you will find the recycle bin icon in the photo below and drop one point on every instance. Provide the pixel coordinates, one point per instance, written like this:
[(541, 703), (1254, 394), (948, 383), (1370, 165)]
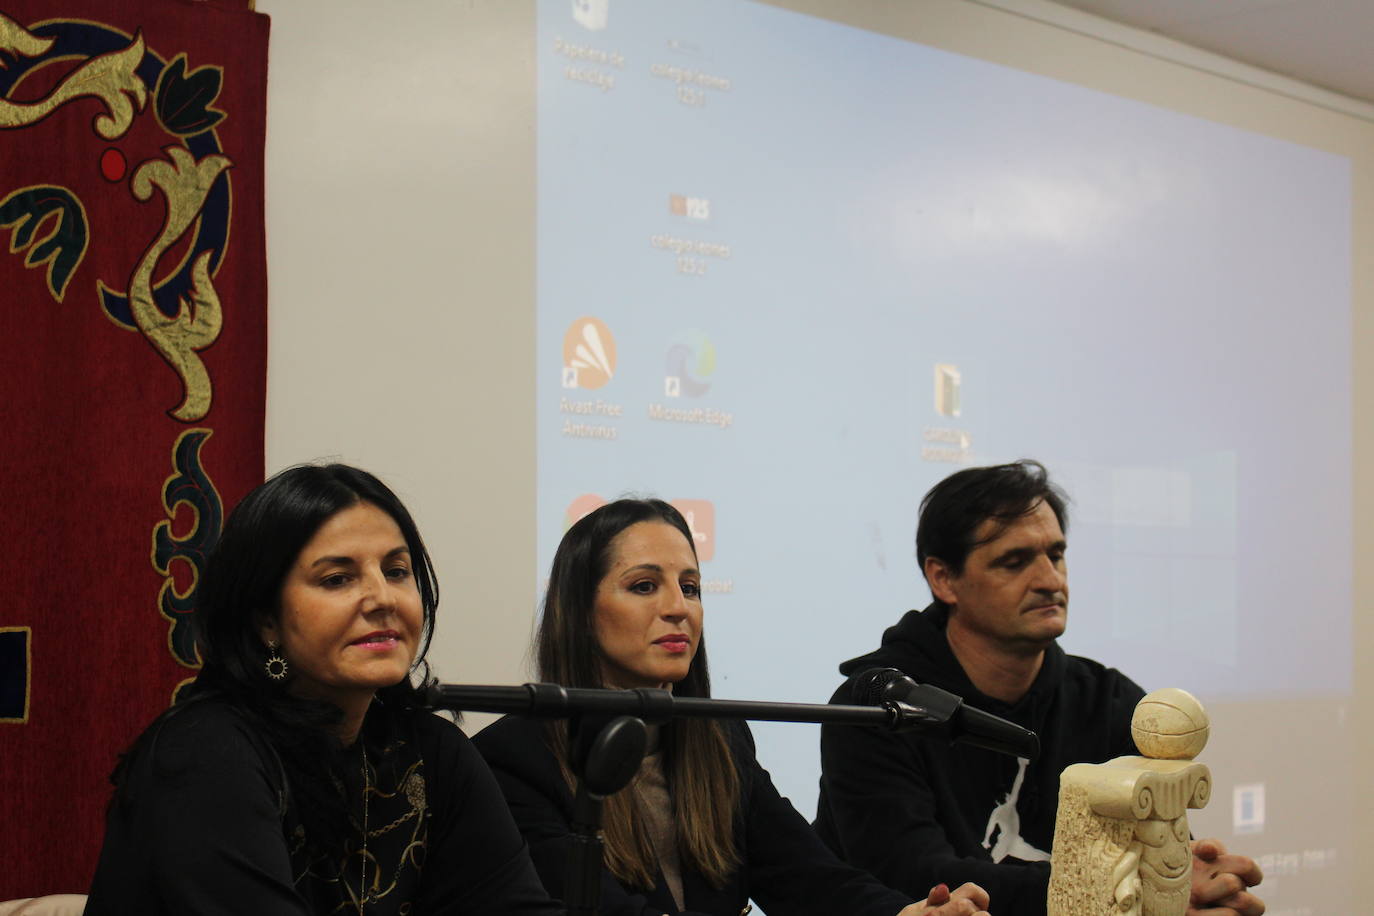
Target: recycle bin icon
[(591, 14)]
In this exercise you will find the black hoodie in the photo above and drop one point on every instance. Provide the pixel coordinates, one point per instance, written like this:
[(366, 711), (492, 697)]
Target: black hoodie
[(915, 811)]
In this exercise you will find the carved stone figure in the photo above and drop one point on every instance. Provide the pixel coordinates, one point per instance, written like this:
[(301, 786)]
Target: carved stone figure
[(1121, 837)]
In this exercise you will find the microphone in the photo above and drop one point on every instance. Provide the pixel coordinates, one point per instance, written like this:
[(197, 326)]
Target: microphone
[(936, 711)]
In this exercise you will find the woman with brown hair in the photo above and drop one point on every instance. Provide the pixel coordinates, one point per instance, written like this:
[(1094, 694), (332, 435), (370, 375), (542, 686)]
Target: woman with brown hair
[(701, 829)]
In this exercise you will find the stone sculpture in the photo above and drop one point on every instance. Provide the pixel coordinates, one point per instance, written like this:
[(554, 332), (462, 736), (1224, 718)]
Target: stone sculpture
[(1121, 842)]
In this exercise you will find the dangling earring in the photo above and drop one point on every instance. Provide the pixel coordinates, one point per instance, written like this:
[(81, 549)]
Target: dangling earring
[(276, 665)]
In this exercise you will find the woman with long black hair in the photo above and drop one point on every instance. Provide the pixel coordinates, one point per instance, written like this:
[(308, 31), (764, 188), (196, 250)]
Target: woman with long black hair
[(299, 775)]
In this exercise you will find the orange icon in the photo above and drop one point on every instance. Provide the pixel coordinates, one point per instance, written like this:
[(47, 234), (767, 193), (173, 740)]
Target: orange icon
[(701, 521), (588, 354), (580, 508)]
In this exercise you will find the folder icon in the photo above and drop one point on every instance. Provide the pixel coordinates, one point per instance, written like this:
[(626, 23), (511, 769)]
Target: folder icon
[(946, 390)]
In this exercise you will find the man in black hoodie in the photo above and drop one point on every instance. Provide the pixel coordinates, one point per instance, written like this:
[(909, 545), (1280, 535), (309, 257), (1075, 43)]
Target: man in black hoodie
[(915, 812)]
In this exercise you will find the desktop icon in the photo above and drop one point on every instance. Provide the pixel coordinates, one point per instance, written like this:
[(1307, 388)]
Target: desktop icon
[(691, 362), (588, 354), (1247, 808), (580, 508), (700, 515), (947, 379), (591, 14), (697, 208)]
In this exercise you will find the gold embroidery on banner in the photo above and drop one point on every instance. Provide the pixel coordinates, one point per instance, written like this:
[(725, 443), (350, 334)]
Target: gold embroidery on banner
[(18, 41), (181, 685), (185, 183), (109, 77)]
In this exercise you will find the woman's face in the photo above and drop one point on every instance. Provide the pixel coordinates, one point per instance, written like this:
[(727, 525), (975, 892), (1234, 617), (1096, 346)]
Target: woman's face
[(647, 615), (351, 616)]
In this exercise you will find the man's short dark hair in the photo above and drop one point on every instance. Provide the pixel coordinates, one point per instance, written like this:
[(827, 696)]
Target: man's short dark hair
[(954, 508)]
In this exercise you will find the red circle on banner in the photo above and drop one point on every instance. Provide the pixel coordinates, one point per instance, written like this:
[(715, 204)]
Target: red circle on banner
[(112, 164)]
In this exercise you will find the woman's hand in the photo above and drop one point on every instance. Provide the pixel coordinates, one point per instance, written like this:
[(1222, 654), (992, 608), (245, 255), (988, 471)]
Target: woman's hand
[(967, 900)]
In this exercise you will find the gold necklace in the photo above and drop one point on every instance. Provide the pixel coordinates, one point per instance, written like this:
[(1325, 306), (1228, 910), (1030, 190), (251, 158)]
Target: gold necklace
[(362, 865)]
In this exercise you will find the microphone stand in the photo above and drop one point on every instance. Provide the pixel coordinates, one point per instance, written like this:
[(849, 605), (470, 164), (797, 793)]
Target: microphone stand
[(553, 701), (605, 758)]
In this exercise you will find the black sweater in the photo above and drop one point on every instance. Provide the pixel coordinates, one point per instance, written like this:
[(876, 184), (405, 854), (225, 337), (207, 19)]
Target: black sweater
[(915, 811), (786, 869), (210, 827)]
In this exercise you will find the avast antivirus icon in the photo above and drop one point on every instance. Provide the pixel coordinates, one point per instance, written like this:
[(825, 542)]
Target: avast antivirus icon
[(588, 354)]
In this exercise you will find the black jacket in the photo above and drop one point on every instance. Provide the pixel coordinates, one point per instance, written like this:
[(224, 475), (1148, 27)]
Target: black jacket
[(211, 827), (915, 811), (786, 869)]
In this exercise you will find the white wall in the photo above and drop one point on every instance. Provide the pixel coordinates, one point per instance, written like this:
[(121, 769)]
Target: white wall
[(400, 253)]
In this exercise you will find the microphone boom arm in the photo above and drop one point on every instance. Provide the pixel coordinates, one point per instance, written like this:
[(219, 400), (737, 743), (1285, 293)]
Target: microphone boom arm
[(927, 709)]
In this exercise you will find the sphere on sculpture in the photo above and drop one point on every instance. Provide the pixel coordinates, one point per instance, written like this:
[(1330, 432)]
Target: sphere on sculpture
[(1170, 724)]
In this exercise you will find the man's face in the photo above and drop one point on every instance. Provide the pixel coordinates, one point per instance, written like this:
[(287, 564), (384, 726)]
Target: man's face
[(1013, 594)]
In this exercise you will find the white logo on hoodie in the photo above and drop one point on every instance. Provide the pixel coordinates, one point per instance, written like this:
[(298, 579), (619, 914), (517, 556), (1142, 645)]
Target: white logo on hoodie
[(1005, 821)]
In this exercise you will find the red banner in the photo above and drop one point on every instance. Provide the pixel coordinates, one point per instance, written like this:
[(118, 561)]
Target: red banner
[(133, 280)]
